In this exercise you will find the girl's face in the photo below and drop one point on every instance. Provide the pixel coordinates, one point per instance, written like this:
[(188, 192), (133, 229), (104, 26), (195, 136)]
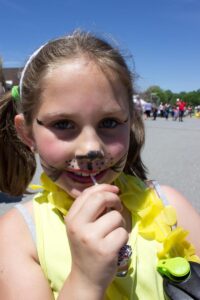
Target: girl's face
[(82, 126)]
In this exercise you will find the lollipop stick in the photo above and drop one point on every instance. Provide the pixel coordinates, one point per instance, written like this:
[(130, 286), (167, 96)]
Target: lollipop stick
[(93, 180)]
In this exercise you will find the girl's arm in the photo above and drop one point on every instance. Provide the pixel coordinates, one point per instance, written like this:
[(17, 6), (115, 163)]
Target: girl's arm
[(20, 274), (187, 216)]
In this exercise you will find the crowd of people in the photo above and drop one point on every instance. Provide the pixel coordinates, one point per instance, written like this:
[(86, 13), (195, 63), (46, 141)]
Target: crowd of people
[(176, 111), (165, 110)]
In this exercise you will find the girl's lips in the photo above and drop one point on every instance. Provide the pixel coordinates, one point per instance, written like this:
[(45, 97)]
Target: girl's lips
[(84, 179)]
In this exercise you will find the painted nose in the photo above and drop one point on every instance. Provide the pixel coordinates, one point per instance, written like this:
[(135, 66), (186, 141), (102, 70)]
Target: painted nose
[(90, 146)]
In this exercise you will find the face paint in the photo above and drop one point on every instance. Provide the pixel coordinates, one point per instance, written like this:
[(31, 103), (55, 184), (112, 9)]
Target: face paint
[(88, 162), (91, 162), (52, 172), (39, 122), (90, 157), (119, 166)]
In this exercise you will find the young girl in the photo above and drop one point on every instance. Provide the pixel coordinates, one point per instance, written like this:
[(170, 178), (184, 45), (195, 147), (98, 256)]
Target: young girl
[(95, 229)]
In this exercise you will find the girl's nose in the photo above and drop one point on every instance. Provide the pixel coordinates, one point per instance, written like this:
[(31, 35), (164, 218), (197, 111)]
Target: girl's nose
[(89, 145)]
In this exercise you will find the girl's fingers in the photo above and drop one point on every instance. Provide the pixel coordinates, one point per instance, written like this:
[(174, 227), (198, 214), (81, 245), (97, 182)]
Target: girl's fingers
[(97, 204), (89, 195), (115, 240), (107, 223)]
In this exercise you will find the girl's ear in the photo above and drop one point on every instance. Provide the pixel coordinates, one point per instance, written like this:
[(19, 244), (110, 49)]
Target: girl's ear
[(24, 132)]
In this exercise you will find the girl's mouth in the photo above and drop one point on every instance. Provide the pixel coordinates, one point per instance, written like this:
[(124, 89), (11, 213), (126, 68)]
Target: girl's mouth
[(84, 176)]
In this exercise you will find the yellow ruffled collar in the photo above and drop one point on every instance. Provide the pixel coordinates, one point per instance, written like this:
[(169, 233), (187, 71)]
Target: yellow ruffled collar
[(155, 221)]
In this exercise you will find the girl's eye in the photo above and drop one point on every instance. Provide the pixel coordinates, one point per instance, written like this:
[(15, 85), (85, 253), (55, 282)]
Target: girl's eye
[(63, 124), (109, 123)]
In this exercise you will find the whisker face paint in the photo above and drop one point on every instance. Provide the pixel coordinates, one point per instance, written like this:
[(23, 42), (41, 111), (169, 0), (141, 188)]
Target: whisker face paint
[(93, 162), (39, 122), (51, 171), (119, 166)]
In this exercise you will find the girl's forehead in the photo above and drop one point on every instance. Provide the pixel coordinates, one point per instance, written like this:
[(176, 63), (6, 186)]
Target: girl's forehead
[(79, 66), (80, 79)]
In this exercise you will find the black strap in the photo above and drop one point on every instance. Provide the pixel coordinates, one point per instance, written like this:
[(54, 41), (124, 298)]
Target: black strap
[(187, 289)]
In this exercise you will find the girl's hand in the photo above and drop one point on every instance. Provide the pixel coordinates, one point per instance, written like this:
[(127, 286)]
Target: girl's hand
[(96, 232)]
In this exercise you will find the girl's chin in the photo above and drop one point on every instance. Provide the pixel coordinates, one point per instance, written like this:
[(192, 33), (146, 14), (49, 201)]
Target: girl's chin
[(74, 193)]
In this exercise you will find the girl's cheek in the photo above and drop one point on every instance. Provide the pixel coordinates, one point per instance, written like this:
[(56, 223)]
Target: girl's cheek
[(53, 152), (119, 148)]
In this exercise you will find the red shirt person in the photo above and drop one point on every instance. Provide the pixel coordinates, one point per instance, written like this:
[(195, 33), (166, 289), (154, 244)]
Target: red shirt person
[(181, 107)]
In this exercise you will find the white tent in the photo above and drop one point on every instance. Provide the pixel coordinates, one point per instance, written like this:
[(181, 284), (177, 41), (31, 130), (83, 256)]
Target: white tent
[(137, 98)]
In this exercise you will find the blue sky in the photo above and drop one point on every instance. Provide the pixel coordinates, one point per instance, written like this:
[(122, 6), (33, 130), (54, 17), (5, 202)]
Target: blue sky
[(163, 36)]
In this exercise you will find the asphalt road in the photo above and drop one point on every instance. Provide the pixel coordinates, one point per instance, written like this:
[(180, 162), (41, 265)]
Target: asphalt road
[(171, 154)]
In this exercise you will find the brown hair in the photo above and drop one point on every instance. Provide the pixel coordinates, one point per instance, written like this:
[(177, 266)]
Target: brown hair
[(18, 165), (17, 160)]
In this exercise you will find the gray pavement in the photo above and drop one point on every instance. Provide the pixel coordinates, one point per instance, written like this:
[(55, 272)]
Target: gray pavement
[(171, 154)]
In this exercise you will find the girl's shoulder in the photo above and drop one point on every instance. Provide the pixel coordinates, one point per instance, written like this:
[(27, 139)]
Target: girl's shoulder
[(19, 264), (179, 202), (14, 232), (187, 216)]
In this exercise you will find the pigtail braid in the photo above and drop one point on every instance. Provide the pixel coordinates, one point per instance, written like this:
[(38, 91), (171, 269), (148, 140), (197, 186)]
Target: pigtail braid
[(17, 160)]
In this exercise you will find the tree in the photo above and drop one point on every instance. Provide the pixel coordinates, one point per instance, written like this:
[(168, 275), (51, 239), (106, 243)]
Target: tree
[(157, 95)]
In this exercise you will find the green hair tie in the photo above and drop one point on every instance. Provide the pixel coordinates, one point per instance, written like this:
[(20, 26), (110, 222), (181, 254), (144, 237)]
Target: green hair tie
[(15, 93)]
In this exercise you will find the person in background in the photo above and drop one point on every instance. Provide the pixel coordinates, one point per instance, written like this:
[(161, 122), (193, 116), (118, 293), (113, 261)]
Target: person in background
[(147, 110), (181, 107), (161, 109), (176, 112), (190, 110), (166, 110), (155, 111)]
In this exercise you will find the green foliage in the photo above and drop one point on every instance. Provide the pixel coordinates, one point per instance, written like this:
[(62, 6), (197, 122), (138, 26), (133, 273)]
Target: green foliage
[(157, 95)]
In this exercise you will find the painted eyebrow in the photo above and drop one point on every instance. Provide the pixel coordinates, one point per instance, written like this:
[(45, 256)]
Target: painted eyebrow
[(53, 117), (39, 122)]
